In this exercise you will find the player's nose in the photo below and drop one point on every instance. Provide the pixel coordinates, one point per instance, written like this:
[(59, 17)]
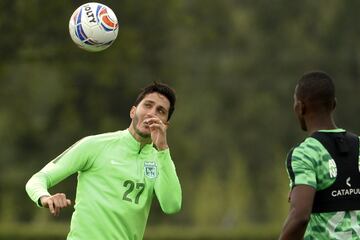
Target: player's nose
[(151, 113)]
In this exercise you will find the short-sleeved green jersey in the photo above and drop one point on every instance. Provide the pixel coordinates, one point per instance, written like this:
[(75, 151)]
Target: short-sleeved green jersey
[(311, 164), (116, 183)]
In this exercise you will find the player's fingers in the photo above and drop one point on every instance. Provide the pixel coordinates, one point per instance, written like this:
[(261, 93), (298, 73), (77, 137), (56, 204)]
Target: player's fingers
[(66, 202), (56, 201), (153, 120), (158, 126), (57, 205), (62, 203), (154, 126), (50, 204), (62, 200)]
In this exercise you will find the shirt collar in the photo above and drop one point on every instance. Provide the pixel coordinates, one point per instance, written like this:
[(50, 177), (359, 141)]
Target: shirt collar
[(135, 144), (332, 130)]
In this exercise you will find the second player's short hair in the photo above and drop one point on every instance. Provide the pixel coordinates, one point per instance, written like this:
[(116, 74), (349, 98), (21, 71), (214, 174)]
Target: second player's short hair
[(317, 88), (161, 88)]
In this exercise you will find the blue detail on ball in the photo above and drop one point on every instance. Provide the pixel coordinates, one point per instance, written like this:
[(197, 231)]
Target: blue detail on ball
[(106, 29), (97, 12), (79, 31)]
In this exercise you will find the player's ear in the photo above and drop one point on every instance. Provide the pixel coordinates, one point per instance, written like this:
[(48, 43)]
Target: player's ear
[(302, 108), (334, 105), (298, 107), (132, 112)]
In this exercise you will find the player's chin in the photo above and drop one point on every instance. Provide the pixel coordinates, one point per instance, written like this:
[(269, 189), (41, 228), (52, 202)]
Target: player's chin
[(144, 132)]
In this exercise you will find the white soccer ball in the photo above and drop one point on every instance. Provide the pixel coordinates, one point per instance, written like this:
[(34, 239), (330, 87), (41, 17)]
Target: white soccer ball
[(93, 26)]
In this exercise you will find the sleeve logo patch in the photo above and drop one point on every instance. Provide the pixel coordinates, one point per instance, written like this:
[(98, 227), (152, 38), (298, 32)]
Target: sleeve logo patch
[(150, 169)]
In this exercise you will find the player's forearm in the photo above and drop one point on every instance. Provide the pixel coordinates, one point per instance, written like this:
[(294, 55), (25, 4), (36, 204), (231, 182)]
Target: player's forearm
[(167, 186), (294, 228), (169, 195), (37, 186)]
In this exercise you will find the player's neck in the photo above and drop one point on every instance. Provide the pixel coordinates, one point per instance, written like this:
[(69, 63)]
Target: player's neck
[(320, 123), (142, 140)]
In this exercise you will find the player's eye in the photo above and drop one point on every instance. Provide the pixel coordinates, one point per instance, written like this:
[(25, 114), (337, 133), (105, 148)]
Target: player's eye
[(147, 105), (162, 111)]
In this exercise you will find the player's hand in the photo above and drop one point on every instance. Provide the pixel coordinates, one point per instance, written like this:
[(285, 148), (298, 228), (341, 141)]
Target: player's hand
[(158, 132), (55, 203)]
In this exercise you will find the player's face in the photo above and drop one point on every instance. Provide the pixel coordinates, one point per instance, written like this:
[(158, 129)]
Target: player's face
[(299, 111), (153, 105)]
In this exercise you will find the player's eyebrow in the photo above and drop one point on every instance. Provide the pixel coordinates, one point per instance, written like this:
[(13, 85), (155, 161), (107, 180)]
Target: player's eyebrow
[(149, 101)]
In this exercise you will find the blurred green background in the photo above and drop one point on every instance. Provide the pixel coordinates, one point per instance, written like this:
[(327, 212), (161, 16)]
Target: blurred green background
[(234, 65)]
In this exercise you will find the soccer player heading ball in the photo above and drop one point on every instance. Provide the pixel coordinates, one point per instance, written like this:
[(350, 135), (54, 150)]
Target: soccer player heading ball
[(118, 174), (323, 169)]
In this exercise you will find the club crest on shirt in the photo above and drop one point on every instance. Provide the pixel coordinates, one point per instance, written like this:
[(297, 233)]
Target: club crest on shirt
[(150, 169)]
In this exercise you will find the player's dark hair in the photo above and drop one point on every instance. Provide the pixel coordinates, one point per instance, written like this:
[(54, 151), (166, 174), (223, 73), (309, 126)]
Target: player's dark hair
[(317, 88), (161, 88)]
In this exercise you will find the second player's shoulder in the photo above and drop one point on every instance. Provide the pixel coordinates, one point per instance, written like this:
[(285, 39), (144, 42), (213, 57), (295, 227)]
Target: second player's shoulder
[(310, 150)]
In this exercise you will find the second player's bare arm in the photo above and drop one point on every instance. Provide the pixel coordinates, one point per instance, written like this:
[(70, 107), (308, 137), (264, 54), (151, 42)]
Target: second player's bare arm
[(301, 202)]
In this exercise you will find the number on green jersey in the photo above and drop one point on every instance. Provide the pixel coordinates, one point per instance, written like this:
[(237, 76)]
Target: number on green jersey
[(130, 185)]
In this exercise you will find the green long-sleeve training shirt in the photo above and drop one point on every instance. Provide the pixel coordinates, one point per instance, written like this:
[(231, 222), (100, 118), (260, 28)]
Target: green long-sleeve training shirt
[(116, 182)]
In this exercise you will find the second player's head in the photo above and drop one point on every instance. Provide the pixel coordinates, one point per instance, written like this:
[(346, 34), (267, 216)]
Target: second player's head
[(314, 95)]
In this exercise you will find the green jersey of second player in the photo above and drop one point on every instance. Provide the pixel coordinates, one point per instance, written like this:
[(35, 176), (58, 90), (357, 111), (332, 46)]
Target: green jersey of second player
[(116, 182), (311, 164)]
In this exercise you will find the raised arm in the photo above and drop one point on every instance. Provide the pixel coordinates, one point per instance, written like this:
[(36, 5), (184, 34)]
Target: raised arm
[(167, 185)]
